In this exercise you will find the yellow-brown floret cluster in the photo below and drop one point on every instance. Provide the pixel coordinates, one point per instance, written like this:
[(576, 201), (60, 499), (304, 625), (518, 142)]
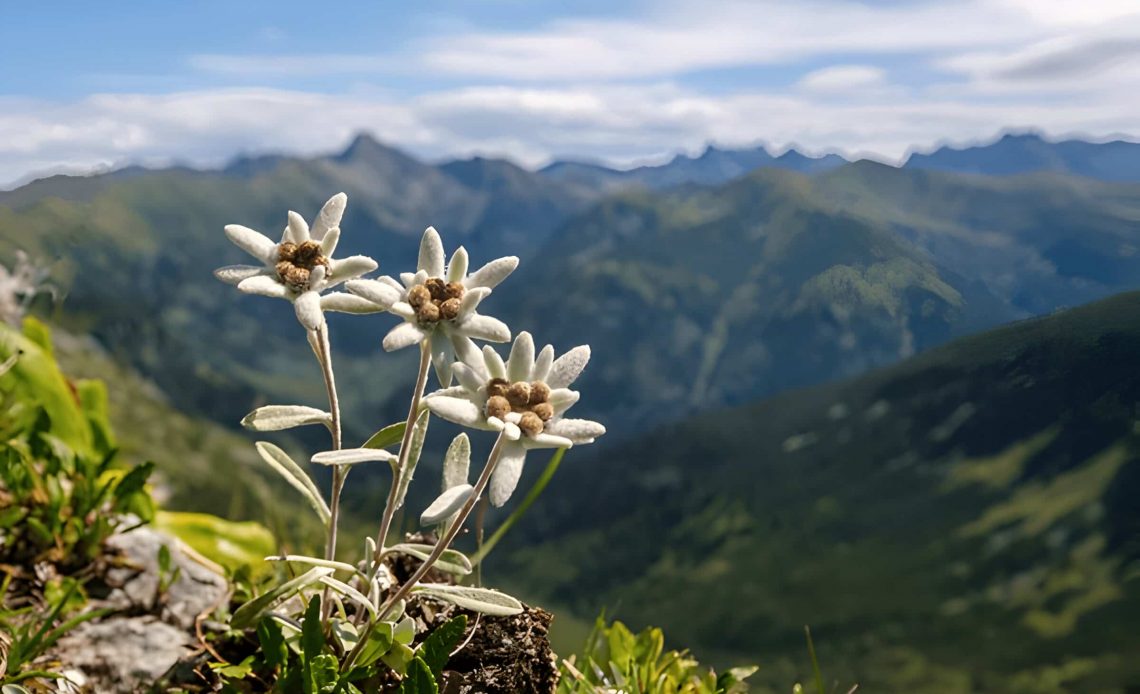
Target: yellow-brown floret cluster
[(436, 300), (530, 400), (296, 261)]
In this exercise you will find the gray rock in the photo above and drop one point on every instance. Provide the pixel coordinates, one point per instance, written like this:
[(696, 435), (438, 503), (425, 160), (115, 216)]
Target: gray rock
[(129, 651), (197, 590), (122, 654)]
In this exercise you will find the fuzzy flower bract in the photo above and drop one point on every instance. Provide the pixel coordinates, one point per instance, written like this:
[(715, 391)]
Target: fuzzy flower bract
[(438, 303), (524, 397), (301, 268)]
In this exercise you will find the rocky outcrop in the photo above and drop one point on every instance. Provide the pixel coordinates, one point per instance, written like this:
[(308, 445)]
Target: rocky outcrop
[(150, 629)]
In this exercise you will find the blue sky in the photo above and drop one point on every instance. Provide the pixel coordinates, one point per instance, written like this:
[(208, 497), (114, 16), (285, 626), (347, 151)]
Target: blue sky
[(85, 86)]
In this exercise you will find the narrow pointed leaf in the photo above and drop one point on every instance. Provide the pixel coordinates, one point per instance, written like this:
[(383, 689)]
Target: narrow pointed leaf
[(489, 602), (451, 561), (456, 462), (294, 475), (415, 447), (314, 561), (278, 417), (349, 592), (352, 456), (446, 504), (248, 614), (388, 436)]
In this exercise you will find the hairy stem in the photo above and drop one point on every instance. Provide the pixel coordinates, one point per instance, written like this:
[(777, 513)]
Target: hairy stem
[(440, 547), (480, 516), (405, 446), (324, 356)]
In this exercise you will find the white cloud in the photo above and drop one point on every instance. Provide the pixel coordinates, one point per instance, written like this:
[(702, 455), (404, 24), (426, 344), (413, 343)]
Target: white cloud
[(684, 36), (620, 123), (606, 88), (843, 78)]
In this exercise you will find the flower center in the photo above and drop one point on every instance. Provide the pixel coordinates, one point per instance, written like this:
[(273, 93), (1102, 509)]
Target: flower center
[(529, 400), (295, 262), (436, 300)]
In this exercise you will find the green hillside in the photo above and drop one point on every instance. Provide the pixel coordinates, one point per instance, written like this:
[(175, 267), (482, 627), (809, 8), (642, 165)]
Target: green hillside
[(964, 521)]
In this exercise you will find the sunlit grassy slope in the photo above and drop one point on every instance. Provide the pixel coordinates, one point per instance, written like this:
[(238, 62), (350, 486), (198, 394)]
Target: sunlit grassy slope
[(963, 521)]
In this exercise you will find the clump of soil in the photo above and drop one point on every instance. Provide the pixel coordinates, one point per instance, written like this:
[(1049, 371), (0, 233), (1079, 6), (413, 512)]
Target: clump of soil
[(505, 655)]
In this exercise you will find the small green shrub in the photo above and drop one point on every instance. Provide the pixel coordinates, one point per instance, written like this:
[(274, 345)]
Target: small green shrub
[(617, 660)]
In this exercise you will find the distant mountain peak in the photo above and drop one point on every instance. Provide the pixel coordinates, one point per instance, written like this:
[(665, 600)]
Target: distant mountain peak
[(364, 146)]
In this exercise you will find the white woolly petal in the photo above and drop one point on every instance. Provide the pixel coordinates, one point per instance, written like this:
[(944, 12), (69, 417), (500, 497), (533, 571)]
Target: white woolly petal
[(512, 417), (263, 285), (491, 274), (545, 440), (506, 475), (348, 303), (520, 363), (317, 281), (452, 392), (408, 278), (441, 358), (484, 328), (468, 353), (467, 377), (329, 217), (329, 242), (568, 367), (494, 363), (512, 431), (577, 430), (404, 310), (253, 242), (233, 274), (495, 423), (460, 410), (457, 268), (542, 363), (385, 279), (403, 335), (470, 301), (431, 253), (562, 399), (378, 293), (350, 268), (298, 229), (308, 307)]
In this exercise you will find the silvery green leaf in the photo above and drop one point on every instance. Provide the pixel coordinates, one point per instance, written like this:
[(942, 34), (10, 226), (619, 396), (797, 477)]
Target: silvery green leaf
[(405, 631), (415, 447), (248, 614), (278, 417), (352, 456), (446, 504), (456, 462), (349, 592), (489, 602), (314, 561), (451, 561), (294, 475), (388, 436), (346, 634)]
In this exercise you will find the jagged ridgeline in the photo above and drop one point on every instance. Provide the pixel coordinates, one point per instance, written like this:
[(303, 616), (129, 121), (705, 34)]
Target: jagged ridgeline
[(964, 521)]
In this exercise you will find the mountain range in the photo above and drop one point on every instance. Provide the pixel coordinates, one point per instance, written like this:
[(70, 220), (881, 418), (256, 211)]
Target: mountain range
[(788, 277)]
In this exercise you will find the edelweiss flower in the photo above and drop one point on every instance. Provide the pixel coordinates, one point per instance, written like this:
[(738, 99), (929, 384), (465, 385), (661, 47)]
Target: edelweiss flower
[(524, 398), (438, 304), (301, 266)]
